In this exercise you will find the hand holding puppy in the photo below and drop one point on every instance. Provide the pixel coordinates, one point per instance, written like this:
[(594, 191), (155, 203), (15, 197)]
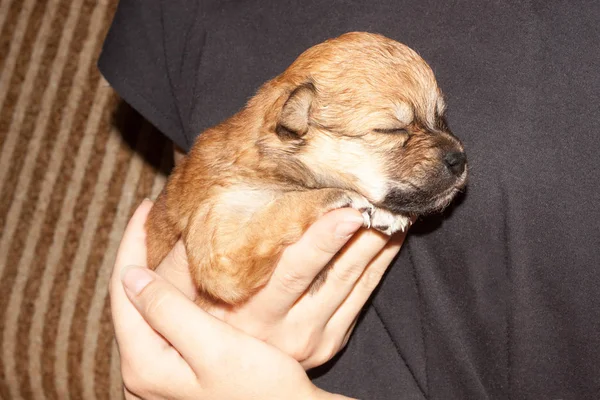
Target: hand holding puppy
[(207, 353), (170, 348), (311, 327)]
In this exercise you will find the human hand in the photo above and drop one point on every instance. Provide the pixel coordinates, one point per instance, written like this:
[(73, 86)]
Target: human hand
[(170, 348), (311, 327)]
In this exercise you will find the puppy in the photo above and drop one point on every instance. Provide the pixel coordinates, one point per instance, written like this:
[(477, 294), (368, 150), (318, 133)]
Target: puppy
[(356, 121)]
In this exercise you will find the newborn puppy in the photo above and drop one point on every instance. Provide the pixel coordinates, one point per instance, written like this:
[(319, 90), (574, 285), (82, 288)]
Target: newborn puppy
[(356, 121)]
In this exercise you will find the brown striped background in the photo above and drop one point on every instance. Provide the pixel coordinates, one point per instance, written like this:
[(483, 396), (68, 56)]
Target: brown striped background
[(74, 163)]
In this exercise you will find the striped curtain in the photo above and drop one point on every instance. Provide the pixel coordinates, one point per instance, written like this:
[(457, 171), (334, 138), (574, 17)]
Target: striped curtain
[(75, 161)]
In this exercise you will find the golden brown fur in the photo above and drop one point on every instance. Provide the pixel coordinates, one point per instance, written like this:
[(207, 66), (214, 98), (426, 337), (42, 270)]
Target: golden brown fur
[(355, 121)]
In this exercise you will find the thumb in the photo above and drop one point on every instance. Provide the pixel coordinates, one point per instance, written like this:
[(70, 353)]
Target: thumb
[(194, 333)]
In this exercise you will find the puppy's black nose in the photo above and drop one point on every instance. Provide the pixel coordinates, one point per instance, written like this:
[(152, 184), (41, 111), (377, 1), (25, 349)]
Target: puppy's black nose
[(455, 161)]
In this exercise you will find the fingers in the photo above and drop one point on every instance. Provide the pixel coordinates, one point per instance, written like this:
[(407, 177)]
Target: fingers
[(132, 251), (302, 261), (351, 306), (139, 345), (147, 360), (175, 269), (174, 316), (336, 314), (345, 272)]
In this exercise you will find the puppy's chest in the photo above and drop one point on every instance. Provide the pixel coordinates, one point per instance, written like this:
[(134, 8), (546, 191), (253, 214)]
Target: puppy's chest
[(243, 201)]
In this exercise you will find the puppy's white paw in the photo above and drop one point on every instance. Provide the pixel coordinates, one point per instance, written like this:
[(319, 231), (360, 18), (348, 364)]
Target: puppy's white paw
[(356, 201), (388, 223)]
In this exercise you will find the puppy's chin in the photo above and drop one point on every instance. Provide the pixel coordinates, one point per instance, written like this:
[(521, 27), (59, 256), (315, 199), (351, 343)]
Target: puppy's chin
[(418, 202)]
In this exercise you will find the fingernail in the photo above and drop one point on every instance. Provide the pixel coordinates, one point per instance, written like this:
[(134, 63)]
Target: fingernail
[(349, 227), (135, 278)]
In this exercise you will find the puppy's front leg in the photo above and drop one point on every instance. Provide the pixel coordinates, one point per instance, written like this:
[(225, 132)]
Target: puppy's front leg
[(237, 256)]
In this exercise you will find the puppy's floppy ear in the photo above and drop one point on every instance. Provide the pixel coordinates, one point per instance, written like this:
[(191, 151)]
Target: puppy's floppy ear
[(294, 118)]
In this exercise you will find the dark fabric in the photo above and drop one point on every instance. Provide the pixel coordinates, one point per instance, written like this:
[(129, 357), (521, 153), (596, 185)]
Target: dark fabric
[(500, 297)]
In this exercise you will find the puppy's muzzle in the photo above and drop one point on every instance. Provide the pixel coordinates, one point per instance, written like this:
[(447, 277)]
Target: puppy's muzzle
[(439, 182)]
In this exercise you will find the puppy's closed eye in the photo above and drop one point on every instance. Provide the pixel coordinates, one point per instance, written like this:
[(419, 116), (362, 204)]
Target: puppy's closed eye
[(401, 134), (399, 131)]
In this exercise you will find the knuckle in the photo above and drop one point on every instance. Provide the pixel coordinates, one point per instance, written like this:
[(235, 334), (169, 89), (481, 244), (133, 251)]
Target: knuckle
[(292, 281), (329, 247), (330, 349), (154, 302), (325, 353), (298, 354), (370, 279), (350, 272), (303, 346)]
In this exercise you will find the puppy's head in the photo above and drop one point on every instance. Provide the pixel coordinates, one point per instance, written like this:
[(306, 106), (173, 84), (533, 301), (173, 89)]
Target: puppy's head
[(364, 112)]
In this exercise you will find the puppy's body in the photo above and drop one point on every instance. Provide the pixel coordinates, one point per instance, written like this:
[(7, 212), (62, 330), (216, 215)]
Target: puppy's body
[(356, 121)]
